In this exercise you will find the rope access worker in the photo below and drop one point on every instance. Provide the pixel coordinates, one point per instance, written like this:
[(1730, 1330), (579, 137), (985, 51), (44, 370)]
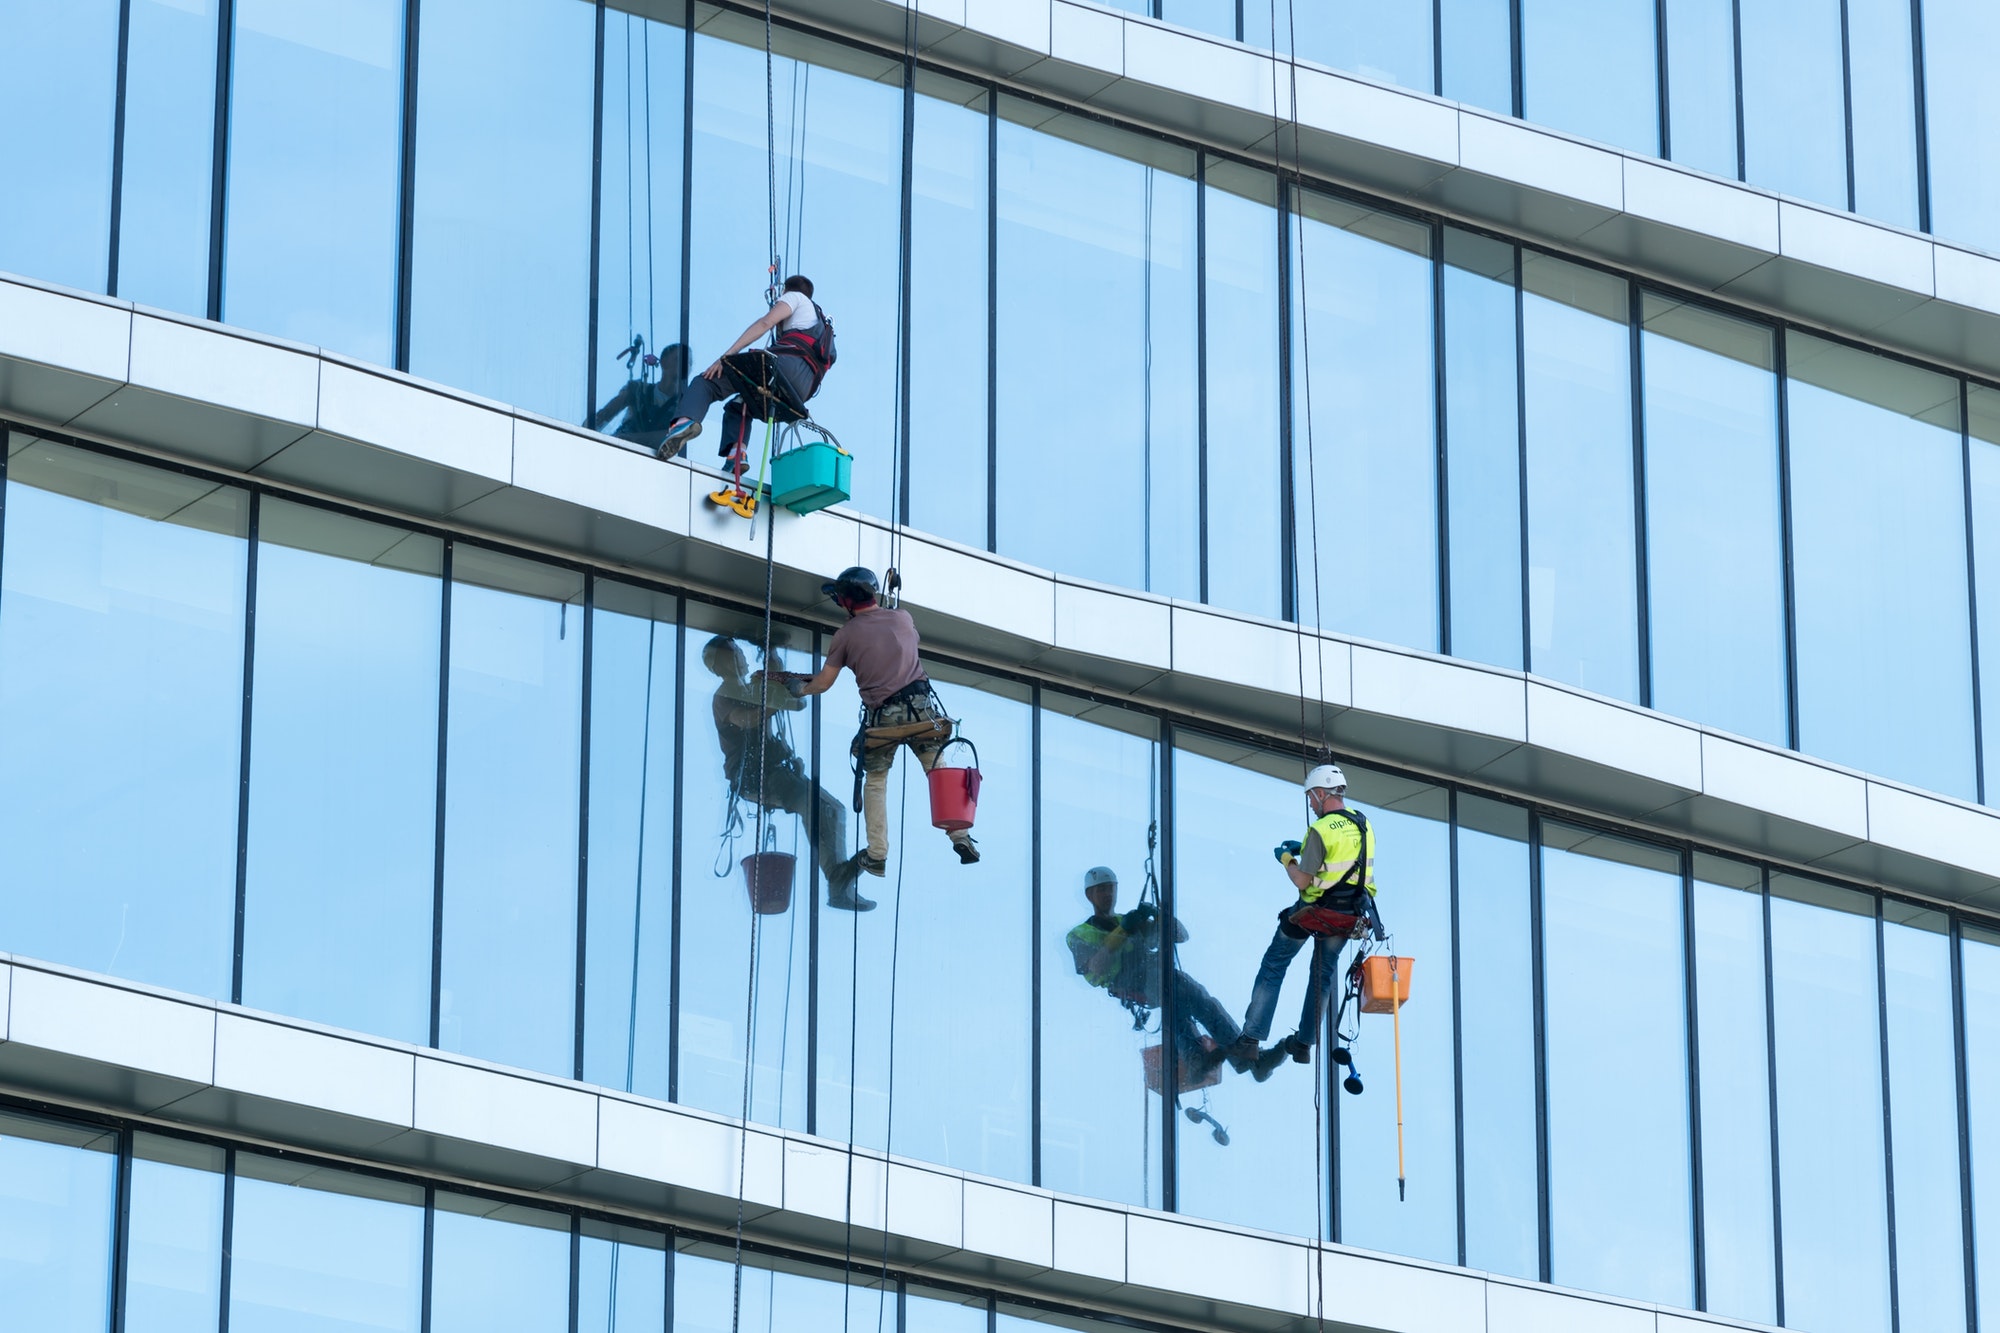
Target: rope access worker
[(879, 644), (799, 358), (786, 783), (1121, 956), (1334, 873)]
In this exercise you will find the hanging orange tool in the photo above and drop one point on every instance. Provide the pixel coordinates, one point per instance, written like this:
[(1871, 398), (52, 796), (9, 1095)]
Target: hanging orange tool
[(1385, 985)]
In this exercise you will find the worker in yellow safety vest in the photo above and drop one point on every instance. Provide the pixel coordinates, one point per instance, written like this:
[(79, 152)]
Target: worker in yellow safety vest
[(1333, 870)]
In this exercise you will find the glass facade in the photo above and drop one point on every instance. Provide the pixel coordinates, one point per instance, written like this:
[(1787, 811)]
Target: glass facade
[(1632, 1066)]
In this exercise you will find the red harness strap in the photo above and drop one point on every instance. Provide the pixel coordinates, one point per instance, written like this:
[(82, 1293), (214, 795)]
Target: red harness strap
[(1316, 920)]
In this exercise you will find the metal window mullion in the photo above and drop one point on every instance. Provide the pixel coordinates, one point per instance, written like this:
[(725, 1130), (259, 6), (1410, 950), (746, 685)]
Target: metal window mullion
[(1542, 1203), (815, 835), (406, 191), (1847, 101), (1736, 77), (1956, 935), (1201, 374), (1169, 913), (218, 167), (1690, 980), (243, 751), (1922, 109), (1514, 56), (906, 293), (118, 147), (1771, 1077), (1662, 69), (1288, 572), (687, 213), (438, 822), (1888, 1113), (1441, 430), (674, 912), (597, 225), (1457, 1022), (583, 811), (992, 320), (576, 1219), (429, 1260), (1635, 298), (121, 1232), (1035, 935), (1783, 388), (223, 1281), (1521, 454), (1972, 590), (1437, 48)]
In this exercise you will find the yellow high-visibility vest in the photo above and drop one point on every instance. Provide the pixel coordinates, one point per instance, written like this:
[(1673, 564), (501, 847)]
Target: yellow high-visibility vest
[(1346, 839)]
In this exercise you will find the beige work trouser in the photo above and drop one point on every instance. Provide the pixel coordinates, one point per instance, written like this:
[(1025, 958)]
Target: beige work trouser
[(876, 763)]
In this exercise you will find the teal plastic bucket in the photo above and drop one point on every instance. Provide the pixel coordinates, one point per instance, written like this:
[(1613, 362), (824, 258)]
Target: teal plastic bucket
[(811, 477)]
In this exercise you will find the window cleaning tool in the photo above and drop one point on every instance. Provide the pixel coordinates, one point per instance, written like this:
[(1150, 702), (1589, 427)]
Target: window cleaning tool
[(1385, 984)]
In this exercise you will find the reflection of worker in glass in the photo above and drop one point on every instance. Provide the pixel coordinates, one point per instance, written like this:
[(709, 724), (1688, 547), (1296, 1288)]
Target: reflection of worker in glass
[(1334, 873), (1121, 955), (649, 397), (787, 784)]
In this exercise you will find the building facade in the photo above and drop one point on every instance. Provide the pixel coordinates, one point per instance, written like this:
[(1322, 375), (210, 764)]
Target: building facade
[(1581, 419)]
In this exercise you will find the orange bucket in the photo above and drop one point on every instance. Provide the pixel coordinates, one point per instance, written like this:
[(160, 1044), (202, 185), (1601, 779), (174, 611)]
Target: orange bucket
[(768, 875), (1378, 985), (955, 792)]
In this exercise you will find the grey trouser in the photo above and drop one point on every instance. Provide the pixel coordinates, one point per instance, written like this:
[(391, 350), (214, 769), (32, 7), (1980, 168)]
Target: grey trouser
[(703, 393)]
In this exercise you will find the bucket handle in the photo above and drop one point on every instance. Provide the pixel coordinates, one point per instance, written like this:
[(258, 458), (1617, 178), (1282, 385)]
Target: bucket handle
[(959, 740)]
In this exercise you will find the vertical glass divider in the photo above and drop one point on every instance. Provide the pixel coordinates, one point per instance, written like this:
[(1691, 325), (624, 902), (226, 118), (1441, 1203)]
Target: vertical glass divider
[(1169, 913), (1955, 936), (1288, 581), (583, 800), (1521, 447), (218, 174), (1736, 77), (118, 145), (1972, 590), (1439, 415), (680, 765), (406, 192), (905, 298), (1201, 372), (1847, 119), (1888, 1114), (576, 1219), (222, 1293), (121, 1232), (1779, 345), (596, 226), (1457, 1022), (437, 836), (1635, 315), (1538, 966), (1771, 1075), (429, 1257), (1035, 934), (1922, 115), (992, 319), (1691, 998), (1662, 69), (814, 835), (243, 751), (1514, 58), (687, 214)]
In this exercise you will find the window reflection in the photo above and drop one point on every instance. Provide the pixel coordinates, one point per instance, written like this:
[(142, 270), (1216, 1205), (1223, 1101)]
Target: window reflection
[(1883, 109), (1979, 952), (343, 737), (121, 700), (508, 989), (1477, 53), (1590, 67), (1923, 1115), (1983, 424), (174, 1265), (621, 1280), (1730, 1011), (1240, 282), (1364, 423), (323, 1249), (707, 1300), (1959, 39), (164, 197), (1582, 594), (56, 1198), (1794, 98), (1101, 962), (1888, 690), (1620, 1202), (314, 150), (498, 1268), (1836, 1257), (1701, 84), (1483, 431), (62, 63), (500, 286)]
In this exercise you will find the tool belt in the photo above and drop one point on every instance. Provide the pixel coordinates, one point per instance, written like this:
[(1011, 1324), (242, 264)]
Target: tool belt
[(875, 736)]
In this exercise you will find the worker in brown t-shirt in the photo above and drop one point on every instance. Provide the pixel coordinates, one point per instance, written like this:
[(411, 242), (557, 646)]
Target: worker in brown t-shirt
[(879, 645)]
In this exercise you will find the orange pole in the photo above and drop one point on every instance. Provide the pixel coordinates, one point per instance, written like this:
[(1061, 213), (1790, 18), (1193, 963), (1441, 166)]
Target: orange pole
[(1396, 1018)]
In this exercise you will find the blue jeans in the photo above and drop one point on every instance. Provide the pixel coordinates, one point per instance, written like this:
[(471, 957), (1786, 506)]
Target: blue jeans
[(1271, 979)]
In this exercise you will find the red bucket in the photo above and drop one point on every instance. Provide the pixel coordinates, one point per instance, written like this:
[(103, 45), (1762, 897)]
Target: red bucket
[(955, 792), (769, 878)]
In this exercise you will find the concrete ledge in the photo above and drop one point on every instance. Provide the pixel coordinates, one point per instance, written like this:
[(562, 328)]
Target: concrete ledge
[(106, 1046)]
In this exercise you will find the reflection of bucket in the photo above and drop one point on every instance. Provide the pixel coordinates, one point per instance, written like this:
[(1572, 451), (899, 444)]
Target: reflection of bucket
[(955, 792), (1190, 1081), (769, 878)]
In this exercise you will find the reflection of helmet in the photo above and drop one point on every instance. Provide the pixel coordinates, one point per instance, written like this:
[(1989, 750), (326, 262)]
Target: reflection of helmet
[(855, 582), (1327, 777), (721, 652), (1097, 875)]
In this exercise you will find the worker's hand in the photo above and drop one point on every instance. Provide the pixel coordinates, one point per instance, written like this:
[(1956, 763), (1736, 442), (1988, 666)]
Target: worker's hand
[(1287, 851), (714, 371), (1115, 940)]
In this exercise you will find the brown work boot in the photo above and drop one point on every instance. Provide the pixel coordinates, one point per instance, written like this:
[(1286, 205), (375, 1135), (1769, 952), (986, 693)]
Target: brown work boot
[(1241, 1054)]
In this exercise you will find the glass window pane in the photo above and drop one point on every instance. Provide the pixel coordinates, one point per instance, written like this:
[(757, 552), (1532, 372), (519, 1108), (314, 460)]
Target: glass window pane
[(840, 159), (498, 1268), (1482, 428), (707, 1299), (1962, 102), (1983, 413), (325, 1250), (1240, 280), (121, 673), (343, 737), (1101, 980), (628, 957), (1589, 67), (509, 979), (1390, 43), (1364, 424), (1229, 809), (1096, 278), (1794, 99), (1923, 1114), (501, 288), (1836, 1233), (720, 817), (1620, 1203), (173, 1282), (639, 248), (1979, 952), (1701, 84), (1478, 54), (943, 1312), (57, 1190), (1582, 593), (1881, 75), (1714, 550), (957, 957), (1735, 1089), (1885, 662), (164, 202), (1217, 17), (315, 144), (621, 1284), (1497, 1043), (951, 184), (62, 64), (1411, 822)]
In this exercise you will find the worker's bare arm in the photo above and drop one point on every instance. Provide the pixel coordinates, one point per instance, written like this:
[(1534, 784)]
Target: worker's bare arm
[(771, 318)]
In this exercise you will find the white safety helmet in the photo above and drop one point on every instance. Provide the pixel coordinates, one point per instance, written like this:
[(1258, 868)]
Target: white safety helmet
[(1097, 875), (1326, 777)]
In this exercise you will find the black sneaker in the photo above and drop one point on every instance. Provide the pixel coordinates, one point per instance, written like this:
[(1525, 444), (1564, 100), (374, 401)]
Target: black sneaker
[(1268, 1061), (968, 851), (845, 899)]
